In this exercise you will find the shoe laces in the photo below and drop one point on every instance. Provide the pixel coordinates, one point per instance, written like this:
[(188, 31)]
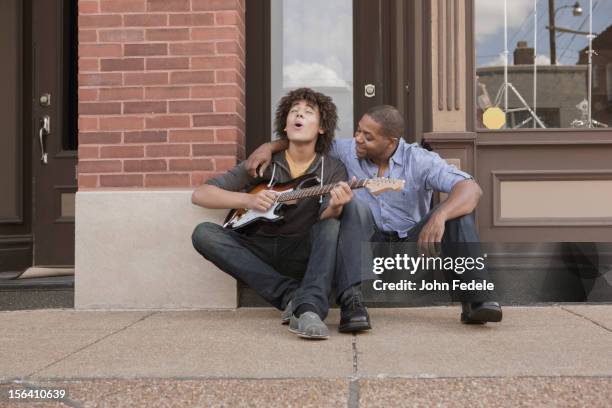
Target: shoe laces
[(355, 302)]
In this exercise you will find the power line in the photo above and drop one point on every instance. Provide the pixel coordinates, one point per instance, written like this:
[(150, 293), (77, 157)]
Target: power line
[(542, 30), (524, 22), (579, 27)]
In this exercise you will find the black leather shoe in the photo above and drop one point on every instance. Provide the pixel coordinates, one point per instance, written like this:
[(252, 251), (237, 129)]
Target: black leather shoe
[(354, 316), (480, 313)]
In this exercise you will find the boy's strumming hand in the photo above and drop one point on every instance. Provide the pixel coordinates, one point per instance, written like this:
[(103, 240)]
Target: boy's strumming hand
[(261, 201)]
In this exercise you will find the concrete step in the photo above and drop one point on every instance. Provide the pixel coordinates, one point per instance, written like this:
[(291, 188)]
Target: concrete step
[(37, 293)]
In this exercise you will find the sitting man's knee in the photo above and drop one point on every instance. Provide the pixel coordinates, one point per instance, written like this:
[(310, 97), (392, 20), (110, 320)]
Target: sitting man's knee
[(463, 220), (356, 209), (328, 227)]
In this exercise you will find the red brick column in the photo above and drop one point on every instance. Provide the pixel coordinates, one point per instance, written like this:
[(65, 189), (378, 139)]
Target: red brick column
[(161, 91)]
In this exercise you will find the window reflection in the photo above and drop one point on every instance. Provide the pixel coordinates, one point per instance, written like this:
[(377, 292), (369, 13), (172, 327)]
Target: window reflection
[(312, 46), (546, 80)]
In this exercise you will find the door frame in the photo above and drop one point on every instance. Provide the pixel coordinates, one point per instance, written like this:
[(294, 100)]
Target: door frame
[(16, 239), (399, 74), (17, 231), (53, 234)]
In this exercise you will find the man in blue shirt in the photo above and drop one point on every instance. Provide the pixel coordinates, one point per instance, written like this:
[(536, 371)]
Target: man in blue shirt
[(378, 150)]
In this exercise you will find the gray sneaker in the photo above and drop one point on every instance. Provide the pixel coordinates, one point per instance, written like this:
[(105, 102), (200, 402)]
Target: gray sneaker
[(286, 314), (308, 326)]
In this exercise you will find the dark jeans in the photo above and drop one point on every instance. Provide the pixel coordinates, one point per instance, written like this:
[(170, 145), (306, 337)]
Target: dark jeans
[(278, 268), (460, 239)]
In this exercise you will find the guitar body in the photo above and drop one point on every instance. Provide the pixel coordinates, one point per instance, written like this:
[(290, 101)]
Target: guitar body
[(240, 218)]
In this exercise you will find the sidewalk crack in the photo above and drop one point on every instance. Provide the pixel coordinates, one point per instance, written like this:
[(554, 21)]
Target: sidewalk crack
[(353, 395), (90, 344), (355, 358), (586, 318)]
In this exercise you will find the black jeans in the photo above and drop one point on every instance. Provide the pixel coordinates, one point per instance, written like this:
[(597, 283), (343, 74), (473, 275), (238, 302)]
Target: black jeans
[(460, 239), (278, 268)]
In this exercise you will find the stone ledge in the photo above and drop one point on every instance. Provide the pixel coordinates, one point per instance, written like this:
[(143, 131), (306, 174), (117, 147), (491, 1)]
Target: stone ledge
[(133, 251)]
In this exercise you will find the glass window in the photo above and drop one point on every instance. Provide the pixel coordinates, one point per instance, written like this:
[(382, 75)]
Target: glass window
[(312, 46), (534, 68)]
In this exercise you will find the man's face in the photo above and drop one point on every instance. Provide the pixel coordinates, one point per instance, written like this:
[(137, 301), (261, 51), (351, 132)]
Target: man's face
[(303, 122), (370, 142)]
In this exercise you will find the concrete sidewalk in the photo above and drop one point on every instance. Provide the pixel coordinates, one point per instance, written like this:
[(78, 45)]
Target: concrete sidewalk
[(413, 357)]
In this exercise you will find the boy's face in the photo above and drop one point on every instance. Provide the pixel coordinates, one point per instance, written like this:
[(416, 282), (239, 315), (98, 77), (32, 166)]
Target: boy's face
[(303, 122)]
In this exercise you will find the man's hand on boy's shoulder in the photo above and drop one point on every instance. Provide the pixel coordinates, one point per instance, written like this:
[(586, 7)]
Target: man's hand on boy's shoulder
[(260, 159)]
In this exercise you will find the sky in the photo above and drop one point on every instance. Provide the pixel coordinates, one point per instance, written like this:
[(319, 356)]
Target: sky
[(318, 42), (521, 26)]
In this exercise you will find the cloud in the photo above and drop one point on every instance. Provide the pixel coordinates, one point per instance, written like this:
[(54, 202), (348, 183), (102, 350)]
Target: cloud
[(544, 60), (499, 61), (311, 74), (490, 18), (319, 31)]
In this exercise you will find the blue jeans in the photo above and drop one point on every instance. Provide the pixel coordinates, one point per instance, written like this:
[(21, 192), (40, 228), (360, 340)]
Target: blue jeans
[(279, 268), (460, 239)]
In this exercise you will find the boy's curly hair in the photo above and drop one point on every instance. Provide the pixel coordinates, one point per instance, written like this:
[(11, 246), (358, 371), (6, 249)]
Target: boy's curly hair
[(327, 110)]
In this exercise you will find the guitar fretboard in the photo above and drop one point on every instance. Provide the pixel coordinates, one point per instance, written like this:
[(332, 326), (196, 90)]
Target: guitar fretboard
[(315, 191)]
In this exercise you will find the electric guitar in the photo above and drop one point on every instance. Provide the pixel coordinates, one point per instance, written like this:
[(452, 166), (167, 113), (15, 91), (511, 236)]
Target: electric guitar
[(301, 187)]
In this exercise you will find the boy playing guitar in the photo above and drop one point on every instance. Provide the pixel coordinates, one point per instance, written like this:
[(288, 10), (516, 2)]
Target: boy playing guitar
[(290, 263)]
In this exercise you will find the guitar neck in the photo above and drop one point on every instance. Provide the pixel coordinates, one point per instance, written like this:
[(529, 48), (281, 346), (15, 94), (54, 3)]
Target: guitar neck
[(315, 191)]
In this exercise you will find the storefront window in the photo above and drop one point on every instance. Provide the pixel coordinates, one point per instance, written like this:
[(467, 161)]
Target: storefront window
[(534, 68), (312, 46)]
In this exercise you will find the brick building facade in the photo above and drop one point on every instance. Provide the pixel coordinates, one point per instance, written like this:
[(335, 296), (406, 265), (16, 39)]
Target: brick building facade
[(161, 91), (165, 90)]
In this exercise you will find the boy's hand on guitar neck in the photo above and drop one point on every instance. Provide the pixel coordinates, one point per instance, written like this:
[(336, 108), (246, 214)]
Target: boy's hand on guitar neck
[(261, 201), (340, 195)]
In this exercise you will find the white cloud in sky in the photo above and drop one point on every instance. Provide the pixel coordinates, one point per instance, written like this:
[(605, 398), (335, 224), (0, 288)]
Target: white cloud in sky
[(319, 31), (490, 17), (499, 61), (311, 74), (544, 60)]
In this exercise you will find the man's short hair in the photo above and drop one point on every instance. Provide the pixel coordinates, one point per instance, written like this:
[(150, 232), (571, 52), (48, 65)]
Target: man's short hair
[(327, 110), (389, 119)]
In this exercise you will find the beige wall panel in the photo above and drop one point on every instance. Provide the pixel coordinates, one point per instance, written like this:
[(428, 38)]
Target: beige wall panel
[(556, 199), (134, 251)]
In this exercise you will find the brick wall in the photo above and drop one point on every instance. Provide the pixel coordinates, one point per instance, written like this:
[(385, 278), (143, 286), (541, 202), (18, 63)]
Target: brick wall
[(161, 91)]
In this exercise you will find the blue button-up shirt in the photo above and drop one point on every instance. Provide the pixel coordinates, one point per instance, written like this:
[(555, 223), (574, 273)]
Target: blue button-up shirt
[(423, 171)]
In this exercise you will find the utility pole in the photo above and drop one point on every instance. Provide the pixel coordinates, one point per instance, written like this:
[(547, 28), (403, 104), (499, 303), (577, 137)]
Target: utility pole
[(551, 32)]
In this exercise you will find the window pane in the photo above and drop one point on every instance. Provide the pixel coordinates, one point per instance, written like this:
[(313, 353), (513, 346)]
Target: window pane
[(560, 75), (312, 46)]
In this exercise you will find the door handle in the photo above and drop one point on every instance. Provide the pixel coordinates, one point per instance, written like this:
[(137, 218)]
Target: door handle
[(45, 130)]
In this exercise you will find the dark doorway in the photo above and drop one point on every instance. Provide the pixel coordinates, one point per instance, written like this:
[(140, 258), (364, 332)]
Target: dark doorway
[(54, 74), (386, 63), (40, 133)]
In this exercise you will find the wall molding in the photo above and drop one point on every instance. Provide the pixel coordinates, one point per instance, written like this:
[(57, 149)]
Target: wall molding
[(500, 176)]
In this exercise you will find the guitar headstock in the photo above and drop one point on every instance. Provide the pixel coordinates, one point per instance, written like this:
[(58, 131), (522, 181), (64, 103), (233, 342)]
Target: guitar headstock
[(380, 185)]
